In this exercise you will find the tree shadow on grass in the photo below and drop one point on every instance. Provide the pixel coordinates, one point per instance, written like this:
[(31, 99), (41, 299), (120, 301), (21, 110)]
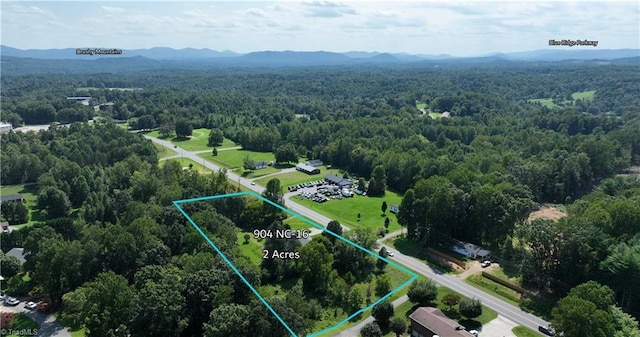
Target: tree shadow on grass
[(470, 324)]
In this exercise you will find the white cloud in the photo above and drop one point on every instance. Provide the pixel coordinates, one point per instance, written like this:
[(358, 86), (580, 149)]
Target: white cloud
[(255, 12), (112, 10)]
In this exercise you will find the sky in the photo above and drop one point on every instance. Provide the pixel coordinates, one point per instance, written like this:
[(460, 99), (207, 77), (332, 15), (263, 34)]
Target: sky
[(458, 28)]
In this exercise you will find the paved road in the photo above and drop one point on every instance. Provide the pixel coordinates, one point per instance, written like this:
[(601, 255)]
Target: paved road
[(503, 308)]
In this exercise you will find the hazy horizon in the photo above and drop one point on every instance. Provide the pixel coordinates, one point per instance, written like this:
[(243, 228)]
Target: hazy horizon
[(418, 27)]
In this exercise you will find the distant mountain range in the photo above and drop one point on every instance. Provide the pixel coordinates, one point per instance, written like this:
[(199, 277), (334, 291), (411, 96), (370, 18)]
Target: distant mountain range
[(17, 61), (320, 57)]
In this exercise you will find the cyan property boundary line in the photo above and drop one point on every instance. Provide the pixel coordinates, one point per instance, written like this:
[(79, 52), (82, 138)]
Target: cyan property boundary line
[(413, 275)]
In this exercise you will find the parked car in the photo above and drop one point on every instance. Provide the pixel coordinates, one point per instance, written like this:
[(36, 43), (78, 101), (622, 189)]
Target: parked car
[(474, 333), (31, 305), (485, 263), (389, 253), (11, 301), (547, 330)]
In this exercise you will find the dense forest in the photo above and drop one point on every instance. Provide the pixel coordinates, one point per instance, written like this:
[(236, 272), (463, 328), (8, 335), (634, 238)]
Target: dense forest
[(473, 176)]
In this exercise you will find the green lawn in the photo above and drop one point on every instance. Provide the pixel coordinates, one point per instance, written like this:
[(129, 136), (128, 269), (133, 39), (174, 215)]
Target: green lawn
[(421, 106), (435, 115), (544, 101), (185, 163), (233, 159), (297, 177), (585, 95), (197, 141), (495, 289), (346, 210), (163, 152), (523, 331), (252, 249), (79, 332), (251, 174), (30, 194), (297, 223), (22, 321)]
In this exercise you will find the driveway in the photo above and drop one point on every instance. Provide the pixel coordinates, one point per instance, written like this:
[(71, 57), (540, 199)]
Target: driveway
[(499, 327), (49, 325)]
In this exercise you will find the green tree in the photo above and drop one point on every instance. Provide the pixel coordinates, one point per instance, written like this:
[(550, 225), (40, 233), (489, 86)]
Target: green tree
[(624, 324), (379, 262), (215, 151), (216, 137), (574, 316), (161, 312), (371, 330), (398, 325), (423, 292), (335, 227), (10, 265), (383, 285), (15, 212), (384, 207), (109, 304), (316, 266), (594, 292), (286, 154), (362, 184), (378, 182), (622, 265), (229, 320), (470, 308), (354, 301), (165, 130), (273, 192), (382, 312), (184, 128), (450, 300), (54, 201)]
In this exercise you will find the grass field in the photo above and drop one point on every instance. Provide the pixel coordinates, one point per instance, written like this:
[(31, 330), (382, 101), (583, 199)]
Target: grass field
[(409, 247), (421, 106), (297, 223), (163, 152), (346, 210), (435, 115), (251, 249), (185, 163), (252, 174), (493, 288), (586, 95), (523, 331), (297, 177), (544, 101), (29, 192), (197, 141), (233, 159)]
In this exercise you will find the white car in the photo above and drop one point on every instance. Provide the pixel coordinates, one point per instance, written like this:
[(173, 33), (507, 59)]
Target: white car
[(31, 305), (253, 184), (485, 263), (474, 333), (11, 301), (389, 253)]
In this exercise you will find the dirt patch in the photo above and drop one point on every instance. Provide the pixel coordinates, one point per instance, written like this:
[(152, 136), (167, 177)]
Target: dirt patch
[(445, 262), (549, 212)]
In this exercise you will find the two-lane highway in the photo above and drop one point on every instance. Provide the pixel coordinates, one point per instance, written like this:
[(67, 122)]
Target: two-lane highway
[(503, 308)]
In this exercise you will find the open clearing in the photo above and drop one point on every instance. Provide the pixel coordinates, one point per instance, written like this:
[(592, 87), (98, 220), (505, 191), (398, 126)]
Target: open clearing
[(586, 95), (184, 162), (233, 159), (549, 212), (197, 141), (30, 194), (346, 210)]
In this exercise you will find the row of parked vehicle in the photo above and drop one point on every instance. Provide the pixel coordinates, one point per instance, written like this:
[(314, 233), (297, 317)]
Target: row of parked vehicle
[(12, 301), (304, 185), (317, 197)]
